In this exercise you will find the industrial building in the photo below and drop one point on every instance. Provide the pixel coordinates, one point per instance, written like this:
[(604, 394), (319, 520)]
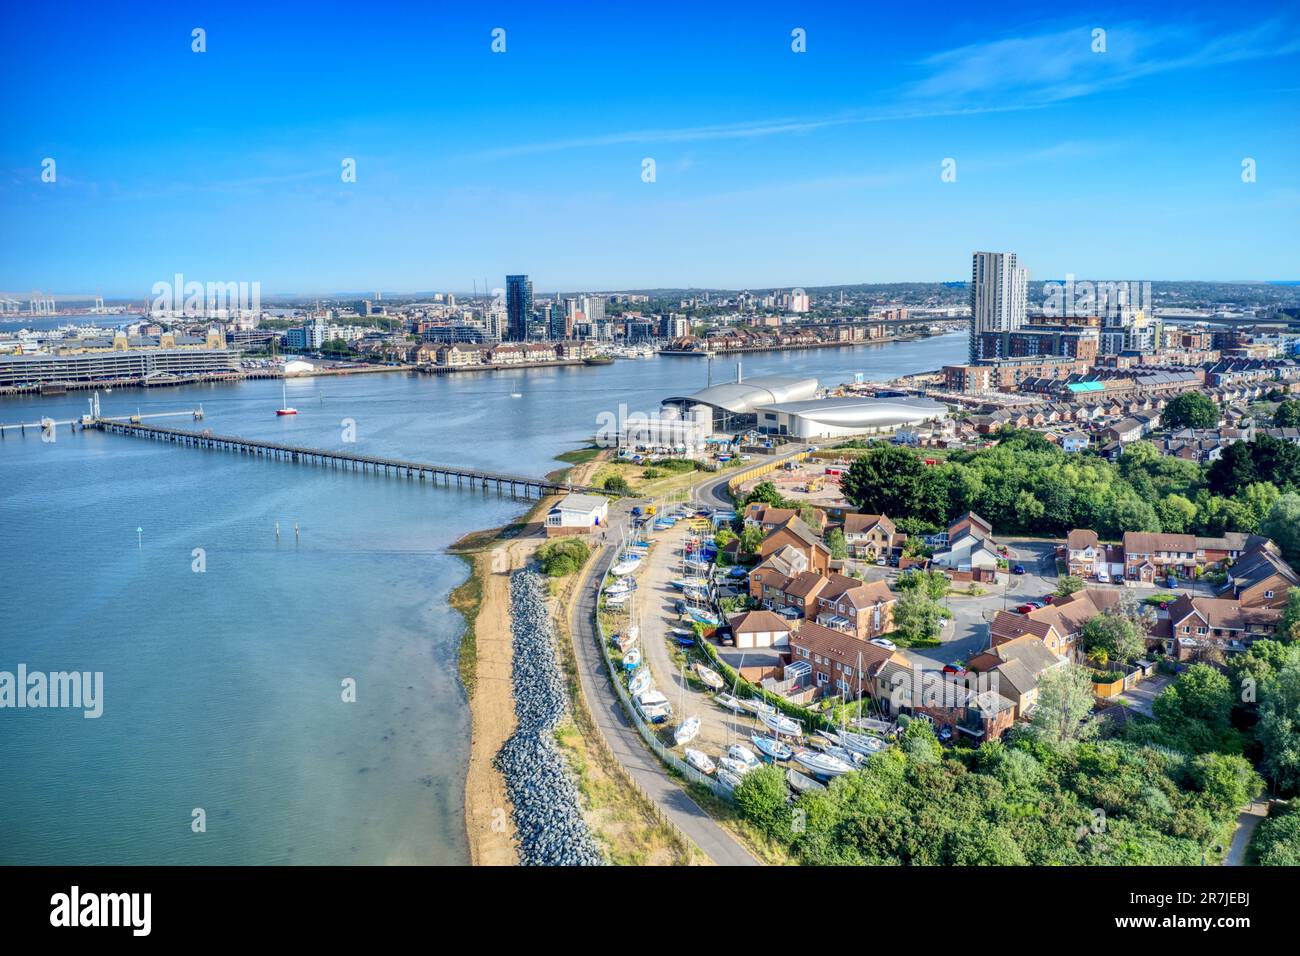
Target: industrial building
[(790, 407)]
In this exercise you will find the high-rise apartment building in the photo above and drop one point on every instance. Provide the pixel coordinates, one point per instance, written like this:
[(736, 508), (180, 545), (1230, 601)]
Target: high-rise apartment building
[(999, 291), (519, 307)]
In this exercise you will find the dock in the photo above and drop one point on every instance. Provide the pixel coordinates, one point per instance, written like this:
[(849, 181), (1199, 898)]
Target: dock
[(515, 486)]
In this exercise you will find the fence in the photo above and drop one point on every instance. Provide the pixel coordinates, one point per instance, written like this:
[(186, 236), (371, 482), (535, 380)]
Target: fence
[(734, 484), (647, 732)]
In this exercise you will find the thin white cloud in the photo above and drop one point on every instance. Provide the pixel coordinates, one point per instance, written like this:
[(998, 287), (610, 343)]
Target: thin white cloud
[(1023, 73)]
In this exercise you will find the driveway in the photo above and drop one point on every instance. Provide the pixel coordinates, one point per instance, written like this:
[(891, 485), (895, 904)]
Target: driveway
[(1141, 697)]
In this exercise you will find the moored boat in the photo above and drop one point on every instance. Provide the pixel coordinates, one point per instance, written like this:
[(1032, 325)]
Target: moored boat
[(708, 676), (640, 681), (729, 779), (731, 703), (700, 761), (782, 724), (687, 730), (731, 765), (654, 706), (822, 764), (771, 748)]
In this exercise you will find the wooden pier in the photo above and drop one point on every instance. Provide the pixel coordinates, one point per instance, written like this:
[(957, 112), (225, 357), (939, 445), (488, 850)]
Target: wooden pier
[(515, 486)]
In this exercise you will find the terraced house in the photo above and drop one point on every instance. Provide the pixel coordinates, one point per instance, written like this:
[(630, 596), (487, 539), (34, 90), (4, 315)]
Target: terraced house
[(1261, 578), (864, 610), (1210, 627)]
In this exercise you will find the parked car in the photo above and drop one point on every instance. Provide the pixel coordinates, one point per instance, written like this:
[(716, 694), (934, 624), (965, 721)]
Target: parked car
[(1036, 604), (955, 667), (1049, 599), (1173, 583), (885, 643), (1018, 569), (1025, 608)]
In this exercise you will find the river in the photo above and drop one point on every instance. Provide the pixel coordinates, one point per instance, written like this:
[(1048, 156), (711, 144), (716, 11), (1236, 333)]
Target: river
[(226, 650)]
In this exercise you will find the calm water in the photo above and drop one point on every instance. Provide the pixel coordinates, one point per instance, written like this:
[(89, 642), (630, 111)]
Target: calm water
[(223, 688)]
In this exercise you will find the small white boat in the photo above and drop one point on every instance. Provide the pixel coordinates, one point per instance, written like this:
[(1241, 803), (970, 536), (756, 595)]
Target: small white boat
[(835, 750), (710, 677), (821, 764), (782, 724), (755, 706), (734, 766), (700, 761), (617, 600), (771, 748), (626, 564), (728, 779), (619, 587), (640, 681), (632, 658), (654, 706), (743, 754), (625, 640), (731, 703), (516, 395), (687, 730), (860, 743)]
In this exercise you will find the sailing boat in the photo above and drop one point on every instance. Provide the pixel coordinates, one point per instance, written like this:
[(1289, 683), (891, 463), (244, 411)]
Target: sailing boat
[(284, 408), (689, 728)]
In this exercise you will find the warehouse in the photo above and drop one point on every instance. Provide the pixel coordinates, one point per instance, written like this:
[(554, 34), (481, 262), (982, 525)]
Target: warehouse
[(857, 415)]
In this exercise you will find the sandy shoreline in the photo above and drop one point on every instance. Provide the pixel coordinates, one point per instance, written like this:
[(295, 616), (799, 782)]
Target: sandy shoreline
[(493, 556)]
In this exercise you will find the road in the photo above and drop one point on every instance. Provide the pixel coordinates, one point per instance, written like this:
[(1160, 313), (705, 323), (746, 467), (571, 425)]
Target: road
[(616, 727)]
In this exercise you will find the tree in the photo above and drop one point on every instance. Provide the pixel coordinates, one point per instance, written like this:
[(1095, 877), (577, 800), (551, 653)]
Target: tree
[(1289, 626), (838, 546), (617, 484), (1114, 635), (1069, 584), (1283, 525), (1278, 730), (1176, 514), (1190, 410), (917, 617), (1228, 781), (761, 797), (764, 492), (887, 480), (1287, 414), (1194, 711), (1065, 698), (1277, 841), (751, 539)]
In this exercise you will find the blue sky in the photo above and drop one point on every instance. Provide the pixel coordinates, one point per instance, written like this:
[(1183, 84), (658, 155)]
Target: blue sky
[(772, 168)]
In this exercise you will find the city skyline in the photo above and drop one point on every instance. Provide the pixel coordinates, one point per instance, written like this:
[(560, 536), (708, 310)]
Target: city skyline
[(772, 168)]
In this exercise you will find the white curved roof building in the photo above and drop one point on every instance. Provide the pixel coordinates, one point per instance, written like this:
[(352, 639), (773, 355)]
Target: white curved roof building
[(735, 404), (856, 415)]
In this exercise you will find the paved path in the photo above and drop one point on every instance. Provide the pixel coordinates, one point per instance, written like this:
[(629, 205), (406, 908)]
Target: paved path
[(616, 727), (1247, 820)]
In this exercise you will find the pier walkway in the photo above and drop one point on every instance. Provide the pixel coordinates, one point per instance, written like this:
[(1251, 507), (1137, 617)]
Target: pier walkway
[(516, 486)]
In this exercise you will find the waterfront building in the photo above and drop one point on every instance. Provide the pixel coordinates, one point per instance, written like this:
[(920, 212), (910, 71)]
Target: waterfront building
[(577, 514), (116, 364), (519, 307), (998, 296)]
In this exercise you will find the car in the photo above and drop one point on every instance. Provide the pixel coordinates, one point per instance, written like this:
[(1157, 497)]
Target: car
[(1036, 604), (885, 643), (1050, 599), (1018, 569), (1173, 583), (955, 667), (881, 562), (1026, 608)]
